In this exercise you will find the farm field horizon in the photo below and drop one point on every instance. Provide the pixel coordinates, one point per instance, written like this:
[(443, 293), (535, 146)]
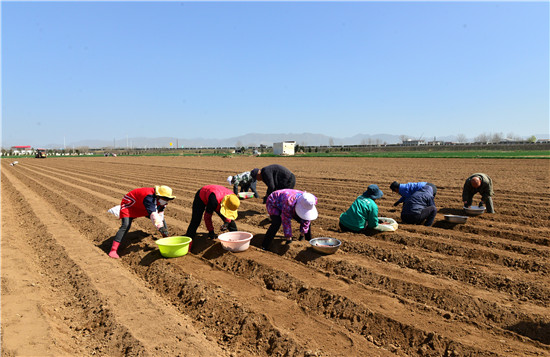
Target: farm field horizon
[(481, 288)]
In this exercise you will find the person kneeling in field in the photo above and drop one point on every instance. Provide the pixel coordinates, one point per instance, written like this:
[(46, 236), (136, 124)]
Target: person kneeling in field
[(142, 202), (420, 207), (245, 181), (407, 189), (210, 199), (285, 205), (363, 212), (483, 184)]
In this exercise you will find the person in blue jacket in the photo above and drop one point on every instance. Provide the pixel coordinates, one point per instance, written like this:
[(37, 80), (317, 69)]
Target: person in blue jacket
[(363, 212), (407, 189), (420, 207)]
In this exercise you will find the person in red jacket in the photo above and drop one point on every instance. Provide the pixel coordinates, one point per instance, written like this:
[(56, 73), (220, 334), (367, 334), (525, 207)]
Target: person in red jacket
[(142, 202), (210, 199)]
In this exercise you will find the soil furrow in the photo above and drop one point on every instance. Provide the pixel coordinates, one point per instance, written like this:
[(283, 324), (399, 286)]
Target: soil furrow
[(481, 288)]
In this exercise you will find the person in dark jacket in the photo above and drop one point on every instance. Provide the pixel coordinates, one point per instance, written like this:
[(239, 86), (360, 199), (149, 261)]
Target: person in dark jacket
[(407, 189), (210, 199), (482, 184), (420, 207), (275, 177)]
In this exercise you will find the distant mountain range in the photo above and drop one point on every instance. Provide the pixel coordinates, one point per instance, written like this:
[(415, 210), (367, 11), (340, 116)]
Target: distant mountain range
[(251, 140), (247, 140)]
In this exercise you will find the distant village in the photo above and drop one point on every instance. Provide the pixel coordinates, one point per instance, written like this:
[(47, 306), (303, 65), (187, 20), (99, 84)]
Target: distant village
[(285, 148)]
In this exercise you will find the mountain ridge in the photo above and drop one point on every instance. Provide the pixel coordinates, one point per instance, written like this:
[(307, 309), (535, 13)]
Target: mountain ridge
[(252, 140)]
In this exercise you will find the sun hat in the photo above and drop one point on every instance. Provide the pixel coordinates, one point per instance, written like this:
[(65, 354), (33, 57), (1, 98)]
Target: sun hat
[(229, 205), (305, 207), (229, 178), (373, 192), (394, 186), (164, 191)]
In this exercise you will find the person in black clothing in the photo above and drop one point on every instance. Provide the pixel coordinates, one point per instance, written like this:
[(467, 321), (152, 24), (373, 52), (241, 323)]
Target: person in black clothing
[(275, 177)]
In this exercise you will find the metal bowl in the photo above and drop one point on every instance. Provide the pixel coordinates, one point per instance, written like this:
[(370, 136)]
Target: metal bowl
[(474, 210), (325, 245), (455, 219)]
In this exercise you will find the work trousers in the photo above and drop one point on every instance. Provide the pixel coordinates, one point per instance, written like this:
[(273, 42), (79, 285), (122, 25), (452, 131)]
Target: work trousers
[(251, 185), (344, 228), (427, 214), (125, 227), (487, 200), (276, 222), (196, 217)]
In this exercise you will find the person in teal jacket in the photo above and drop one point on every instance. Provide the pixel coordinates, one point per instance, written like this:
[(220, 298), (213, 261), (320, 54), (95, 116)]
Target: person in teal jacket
[(363, 212)]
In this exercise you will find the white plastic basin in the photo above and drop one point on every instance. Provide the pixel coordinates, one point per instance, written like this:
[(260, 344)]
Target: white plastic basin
[(245, 195), (235, 241)]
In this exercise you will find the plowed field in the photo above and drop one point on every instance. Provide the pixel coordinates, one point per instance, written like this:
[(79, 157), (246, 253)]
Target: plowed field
[(475, 289)]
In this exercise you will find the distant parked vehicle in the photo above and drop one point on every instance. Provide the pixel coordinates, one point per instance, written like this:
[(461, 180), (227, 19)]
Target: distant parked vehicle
[(40, 154)]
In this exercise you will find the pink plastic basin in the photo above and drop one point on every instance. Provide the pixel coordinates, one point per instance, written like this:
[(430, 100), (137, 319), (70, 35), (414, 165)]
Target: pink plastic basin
[(235, 241)]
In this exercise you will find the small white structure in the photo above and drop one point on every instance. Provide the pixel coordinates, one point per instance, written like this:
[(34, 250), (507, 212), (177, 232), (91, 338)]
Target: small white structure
[(410, 142), (22, 150), (284, 148)]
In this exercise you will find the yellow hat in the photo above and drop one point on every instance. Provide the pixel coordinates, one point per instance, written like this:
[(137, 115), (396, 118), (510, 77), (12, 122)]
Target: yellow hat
[(164, 191), (230, 204)]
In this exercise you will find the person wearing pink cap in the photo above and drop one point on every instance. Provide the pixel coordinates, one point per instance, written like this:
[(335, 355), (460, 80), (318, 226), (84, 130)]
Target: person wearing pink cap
[(285, 205), (482, 184)]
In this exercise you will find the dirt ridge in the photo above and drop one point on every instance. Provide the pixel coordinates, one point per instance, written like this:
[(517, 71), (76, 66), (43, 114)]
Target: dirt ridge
[(476, 289)]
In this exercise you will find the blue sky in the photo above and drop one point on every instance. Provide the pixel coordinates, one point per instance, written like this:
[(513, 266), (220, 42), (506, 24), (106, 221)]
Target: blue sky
[(104, 70)]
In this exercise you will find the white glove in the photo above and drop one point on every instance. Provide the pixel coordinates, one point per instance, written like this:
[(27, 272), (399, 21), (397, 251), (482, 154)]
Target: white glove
[(157, 220)]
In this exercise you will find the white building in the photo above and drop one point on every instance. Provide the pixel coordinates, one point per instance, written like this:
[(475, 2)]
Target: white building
[(410, 142), (284, 148), (22, 150)]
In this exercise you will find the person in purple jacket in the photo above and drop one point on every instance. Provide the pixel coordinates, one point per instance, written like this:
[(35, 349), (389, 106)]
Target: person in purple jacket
[(407, 189), (285, 205)]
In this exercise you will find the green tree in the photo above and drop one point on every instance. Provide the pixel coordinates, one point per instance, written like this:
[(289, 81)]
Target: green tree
[(532, 139)]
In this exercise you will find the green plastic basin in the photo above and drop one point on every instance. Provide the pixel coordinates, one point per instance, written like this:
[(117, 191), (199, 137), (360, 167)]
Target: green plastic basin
[(172, 247)]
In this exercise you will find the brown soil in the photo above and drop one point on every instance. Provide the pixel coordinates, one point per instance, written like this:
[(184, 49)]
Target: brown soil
[(475, 289)]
